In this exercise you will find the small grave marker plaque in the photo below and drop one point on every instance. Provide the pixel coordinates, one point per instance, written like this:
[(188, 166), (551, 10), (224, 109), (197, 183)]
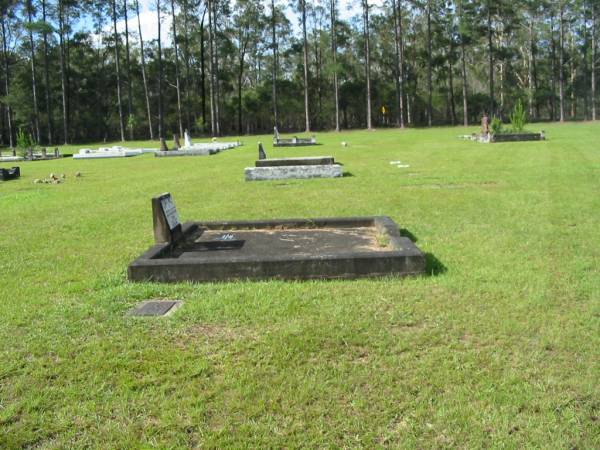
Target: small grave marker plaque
[(155, 308)]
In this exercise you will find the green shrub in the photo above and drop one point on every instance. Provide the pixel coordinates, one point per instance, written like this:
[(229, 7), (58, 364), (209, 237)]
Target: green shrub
[(24, 142), (496, 126), (518, 118)]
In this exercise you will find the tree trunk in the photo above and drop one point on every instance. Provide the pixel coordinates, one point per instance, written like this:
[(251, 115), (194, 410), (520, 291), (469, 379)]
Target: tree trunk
[(242, 55), (186, 51), (573, 70), (143, 61), (118, 69), (399, 61), (161, 124), (367, 61), (594, 62), (530, 90), (211, 69), (561, 72), (491, 57), (451, 84), (202, 70), (305, 44), (128, 63), (274, 72), (47, 80), (216, 67), (335, 69), (36, 114), (7, 82), (177, 84), (63, 71), (553, 69), (429, 68), (463, 65)]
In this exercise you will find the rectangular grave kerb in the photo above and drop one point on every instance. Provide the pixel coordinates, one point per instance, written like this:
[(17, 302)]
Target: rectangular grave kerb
[(288, 249)]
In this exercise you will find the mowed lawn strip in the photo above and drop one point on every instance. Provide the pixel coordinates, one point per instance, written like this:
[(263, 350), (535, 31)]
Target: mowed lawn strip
[(498, 347)]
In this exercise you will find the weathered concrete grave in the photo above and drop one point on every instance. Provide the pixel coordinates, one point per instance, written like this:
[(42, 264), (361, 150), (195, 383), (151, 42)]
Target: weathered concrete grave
[(200, 149), (329, 248), (288, 168), (293, 142), (10, 174), (514, 137)]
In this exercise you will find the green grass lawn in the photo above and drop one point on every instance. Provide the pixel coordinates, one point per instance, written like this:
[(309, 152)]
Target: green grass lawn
[(499, 347)]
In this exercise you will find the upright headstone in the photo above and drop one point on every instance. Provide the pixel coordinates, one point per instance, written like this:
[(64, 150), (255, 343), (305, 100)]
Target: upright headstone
[(186, 139), (163, 145), (485, 125), (276, 133), (176, 141), (167, 227), (44, 152), (56, 153), (261, 151)]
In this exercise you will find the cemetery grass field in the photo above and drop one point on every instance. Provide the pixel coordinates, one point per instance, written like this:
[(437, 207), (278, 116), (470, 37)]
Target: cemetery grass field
[(498, 347)]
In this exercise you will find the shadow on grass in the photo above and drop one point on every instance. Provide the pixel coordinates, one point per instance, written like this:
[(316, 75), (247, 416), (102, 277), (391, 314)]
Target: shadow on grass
[(347, 174), (405, 233), (434, 266)]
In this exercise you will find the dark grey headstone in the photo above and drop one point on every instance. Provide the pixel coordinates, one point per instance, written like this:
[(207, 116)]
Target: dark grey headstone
[(261, 151), (154, 308)]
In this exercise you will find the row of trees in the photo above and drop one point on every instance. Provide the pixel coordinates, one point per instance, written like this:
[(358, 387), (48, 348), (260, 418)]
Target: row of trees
[(70, 73)]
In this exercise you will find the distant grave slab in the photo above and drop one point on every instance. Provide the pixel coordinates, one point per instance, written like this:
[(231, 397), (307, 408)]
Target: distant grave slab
[(10, 174), (293, 172), (201, 149), (109, 152), (514, 137), (155, 308), (308, 161), (295, 141), (290, 168), (294, 249)]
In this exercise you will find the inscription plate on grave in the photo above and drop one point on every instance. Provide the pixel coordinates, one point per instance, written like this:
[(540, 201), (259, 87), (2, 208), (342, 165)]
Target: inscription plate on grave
[(154, 308), (168, 206)]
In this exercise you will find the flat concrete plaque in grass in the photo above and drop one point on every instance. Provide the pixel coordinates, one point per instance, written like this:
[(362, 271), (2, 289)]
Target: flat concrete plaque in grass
[(155, 308), (290, 249)]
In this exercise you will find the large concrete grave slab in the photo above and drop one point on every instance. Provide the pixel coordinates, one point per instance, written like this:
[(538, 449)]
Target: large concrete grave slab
[(291, 172), (289, 168), (295, 249), (111, 152), (200, 149)]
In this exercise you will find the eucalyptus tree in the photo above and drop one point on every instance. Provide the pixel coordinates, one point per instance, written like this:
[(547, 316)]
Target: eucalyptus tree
[(161, 123), (6, 15), (130, 117), (248, 21), (143, 64), (30, 29), (594, 61), (118, 68), (366, 33), (302, 7), (47, 28), (399, 54), (176, 60), (334, 51), (274, 48)]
